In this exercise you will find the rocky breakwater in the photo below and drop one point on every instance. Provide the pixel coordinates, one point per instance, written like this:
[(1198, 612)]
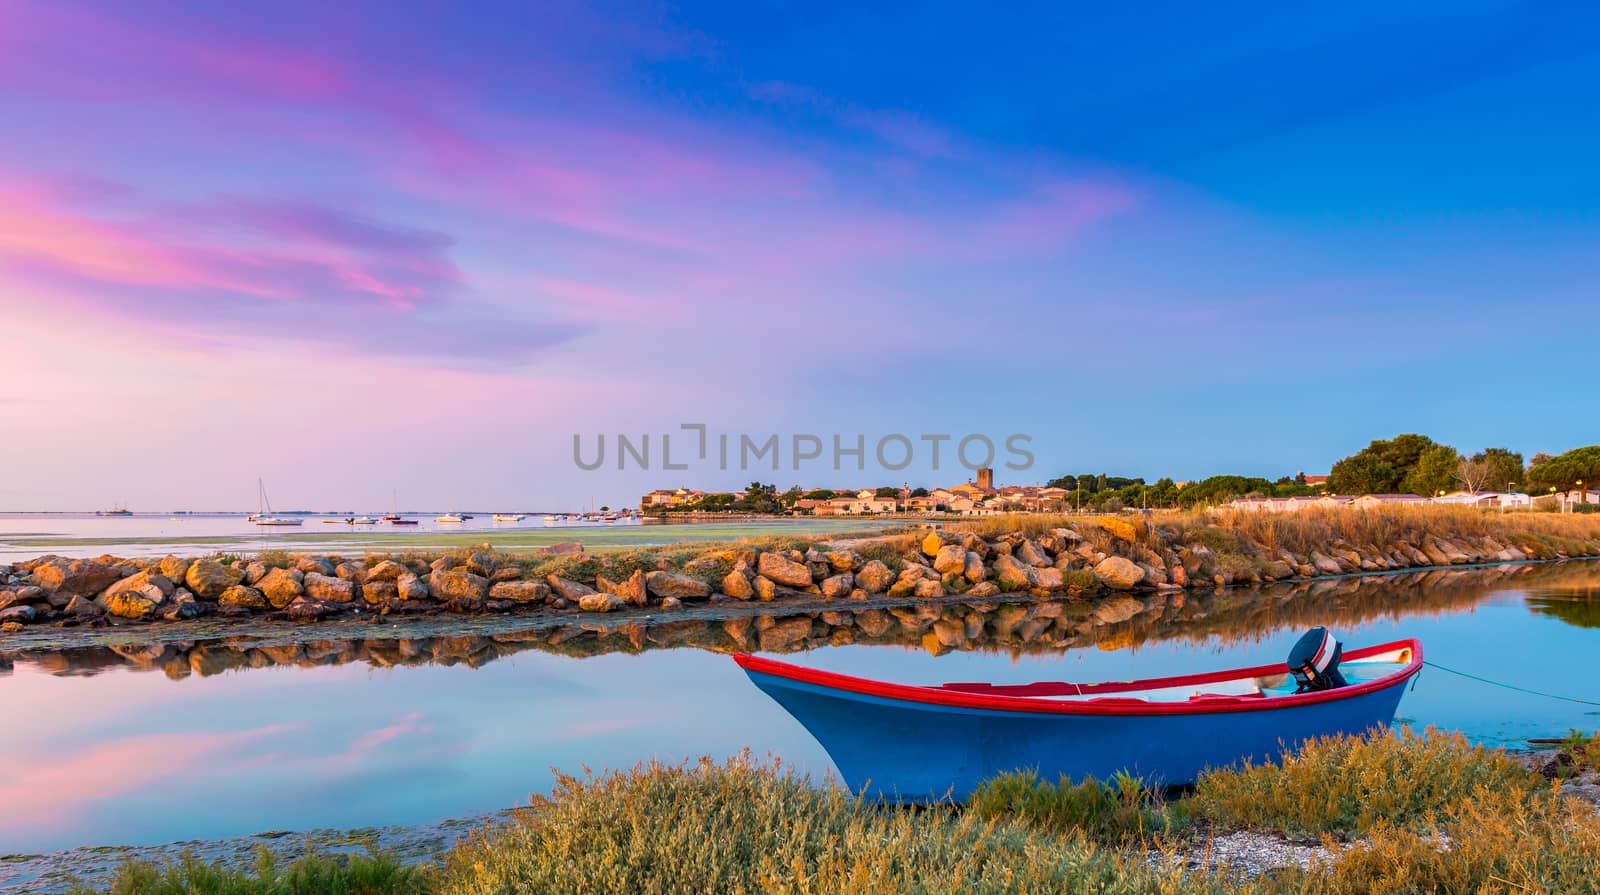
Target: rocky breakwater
[(1104, 559)]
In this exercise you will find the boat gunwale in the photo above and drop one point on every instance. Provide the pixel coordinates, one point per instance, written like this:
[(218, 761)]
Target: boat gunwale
[(971, 699)]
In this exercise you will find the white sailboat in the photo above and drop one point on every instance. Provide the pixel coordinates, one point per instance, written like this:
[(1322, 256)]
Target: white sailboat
[(263, 514), (509, 517)]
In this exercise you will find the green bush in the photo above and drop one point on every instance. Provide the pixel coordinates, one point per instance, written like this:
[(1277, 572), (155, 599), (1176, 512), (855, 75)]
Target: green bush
[(313, 874)]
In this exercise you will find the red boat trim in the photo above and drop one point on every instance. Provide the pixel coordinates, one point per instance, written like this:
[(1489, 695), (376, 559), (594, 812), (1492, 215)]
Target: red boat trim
[(1019, 698)]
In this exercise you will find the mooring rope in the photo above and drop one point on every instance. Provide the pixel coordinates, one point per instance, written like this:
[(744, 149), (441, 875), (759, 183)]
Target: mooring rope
[(1507, 686)]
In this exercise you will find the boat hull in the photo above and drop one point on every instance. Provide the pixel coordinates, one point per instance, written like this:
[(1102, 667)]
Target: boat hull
[(914, 751)]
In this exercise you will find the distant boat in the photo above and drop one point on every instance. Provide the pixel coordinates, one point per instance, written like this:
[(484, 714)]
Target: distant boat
[(362, 520), (449, 517), (263, 514), (118, 510), (333, 521), (466, 515), (509, 517), (553, 518), (398, 521), (394, 516)]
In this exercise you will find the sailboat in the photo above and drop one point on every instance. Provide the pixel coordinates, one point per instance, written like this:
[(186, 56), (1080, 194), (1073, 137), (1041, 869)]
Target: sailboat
[(509, 517), (394, 516), (449, 517), (263, 514)]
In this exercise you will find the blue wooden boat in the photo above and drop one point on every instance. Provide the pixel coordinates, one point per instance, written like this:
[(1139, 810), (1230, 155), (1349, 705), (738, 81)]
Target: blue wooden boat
[(912, 743)]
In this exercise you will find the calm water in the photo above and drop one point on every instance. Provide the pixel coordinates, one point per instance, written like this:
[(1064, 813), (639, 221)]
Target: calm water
[(101, 748)]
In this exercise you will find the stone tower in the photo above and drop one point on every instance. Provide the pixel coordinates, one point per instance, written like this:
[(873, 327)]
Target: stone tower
[(986, 478)]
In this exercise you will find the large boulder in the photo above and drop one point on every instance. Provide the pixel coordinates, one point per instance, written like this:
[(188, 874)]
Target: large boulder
[(783, 570), (387, 570), (571, 591), (379, 592), (173, 567), (138, 596), (932, 543), (874, 577), (1012, 573), (411, 588), (676, 584), (950, 558), (281, 587), (973, 569), (1030, 553), (308, 564), (766, 590), (837, 587), (632, 589), (208, 578), (737, 586), (21, 615), (244, 596), (328, 589), (458, 584), (598, 602), (1118, 573), (76, 577), (520, 591)]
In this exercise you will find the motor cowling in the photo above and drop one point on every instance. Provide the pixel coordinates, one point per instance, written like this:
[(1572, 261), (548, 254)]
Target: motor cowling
[(1314, 661)]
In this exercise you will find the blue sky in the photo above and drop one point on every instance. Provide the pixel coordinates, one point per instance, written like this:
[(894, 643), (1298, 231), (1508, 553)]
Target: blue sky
[(345, 249)]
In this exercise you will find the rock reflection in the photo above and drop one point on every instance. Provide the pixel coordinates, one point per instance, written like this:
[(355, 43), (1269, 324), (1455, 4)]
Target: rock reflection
[(1023, 627)]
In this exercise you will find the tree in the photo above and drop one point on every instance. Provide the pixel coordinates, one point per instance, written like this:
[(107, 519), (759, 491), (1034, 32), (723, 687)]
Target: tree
[(1361, 473), (887, 492), (605, 509), (1473, 473), (1433, 472), (919, 492), (1505, 468), (1383, 466), (1565, 471), (821, 494), (788, 498)]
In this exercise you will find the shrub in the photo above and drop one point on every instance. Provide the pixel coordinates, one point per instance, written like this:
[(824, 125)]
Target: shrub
[(1120, 811), (373, 873), (1348, 785)]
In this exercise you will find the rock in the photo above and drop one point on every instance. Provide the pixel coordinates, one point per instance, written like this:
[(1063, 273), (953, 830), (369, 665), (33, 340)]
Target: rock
[(387, 570), (1030, 553), (307, 564), (1012, 574), (209, 578), (983, 589), (786, 633), (783, 570), (634, 590), (83, 607), (304, 610), (927, 588), (766, 588), (932, 543), (1048, 577), (81, 577), (838, 586), (950, 558), (281, 587), (173, 568), (179, 610), (411, 588), (598, 602), (735, 585), (520, 591), (253, 572), (902, 588), (950, 632), (21, 615), (139, 582), (244, 596), (506, 573), (379, 592), (458, 584), (1118, 573), (973, 569), (138, 602), (1120, 528), (350, 570), (676, 584), (328, 589), (874, 577), (571, 591), (1326, 565), (843, 560), (1117, 609)]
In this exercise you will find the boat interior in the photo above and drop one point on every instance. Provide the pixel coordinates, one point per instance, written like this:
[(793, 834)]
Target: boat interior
[(1257, 682)]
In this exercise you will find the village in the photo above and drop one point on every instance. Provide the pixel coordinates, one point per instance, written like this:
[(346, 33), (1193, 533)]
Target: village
[(980, 496)]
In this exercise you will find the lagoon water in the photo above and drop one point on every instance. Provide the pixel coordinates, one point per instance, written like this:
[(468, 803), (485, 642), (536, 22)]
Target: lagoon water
[(98, 751)]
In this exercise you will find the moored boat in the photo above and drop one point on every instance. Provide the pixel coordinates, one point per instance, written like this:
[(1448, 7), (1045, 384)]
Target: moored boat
[(263, 514), (449, 518), (509, 517), (921, 743)]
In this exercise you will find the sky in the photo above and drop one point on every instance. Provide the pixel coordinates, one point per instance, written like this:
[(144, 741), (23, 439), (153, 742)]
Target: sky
[(358, 248)]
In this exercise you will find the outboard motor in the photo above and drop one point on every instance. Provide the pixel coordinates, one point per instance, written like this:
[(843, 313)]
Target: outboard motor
[(1314, 662)]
